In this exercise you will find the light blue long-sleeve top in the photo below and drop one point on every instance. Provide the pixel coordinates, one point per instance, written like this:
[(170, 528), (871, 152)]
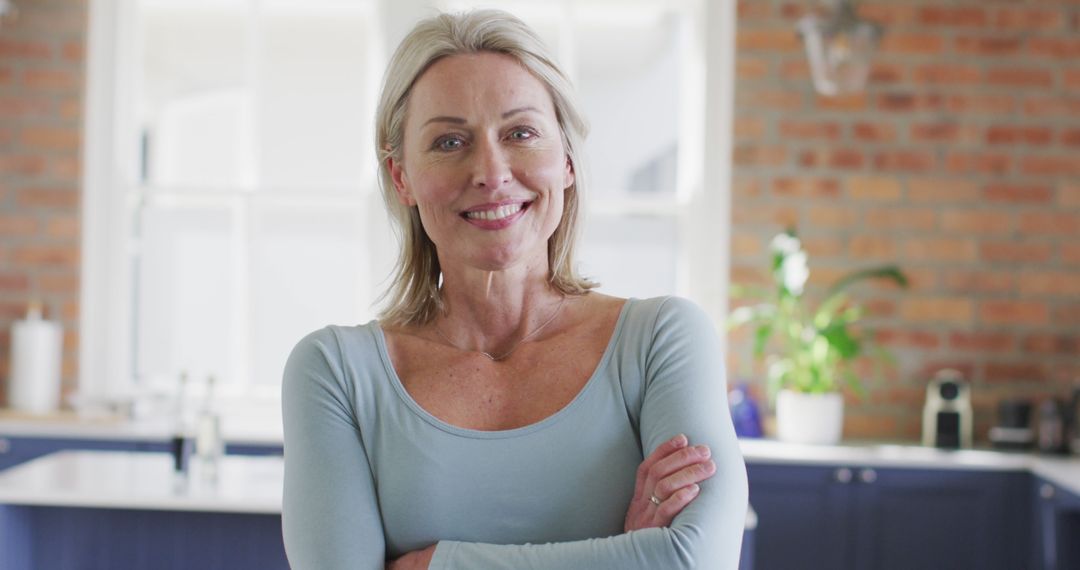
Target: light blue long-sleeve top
[(370, 475)]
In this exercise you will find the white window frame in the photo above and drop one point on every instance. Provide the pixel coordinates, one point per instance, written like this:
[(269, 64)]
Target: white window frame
[(105, 372)]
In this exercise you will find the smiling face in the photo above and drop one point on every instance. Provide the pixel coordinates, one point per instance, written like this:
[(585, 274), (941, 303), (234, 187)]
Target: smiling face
[(483, 161)]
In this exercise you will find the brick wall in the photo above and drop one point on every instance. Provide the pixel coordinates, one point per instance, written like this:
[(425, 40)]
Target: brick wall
[(41, 87), (961, 163)]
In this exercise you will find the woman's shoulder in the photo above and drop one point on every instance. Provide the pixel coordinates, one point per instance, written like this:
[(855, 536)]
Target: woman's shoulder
[(339, 342), (662, 312)]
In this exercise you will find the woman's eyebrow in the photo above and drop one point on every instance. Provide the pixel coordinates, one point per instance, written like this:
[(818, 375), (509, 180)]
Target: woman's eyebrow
[(444, 119), (517, 110)]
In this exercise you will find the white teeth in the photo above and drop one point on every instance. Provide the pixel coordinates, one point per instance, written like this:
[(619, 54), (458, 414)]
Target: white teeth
[(496, 214)]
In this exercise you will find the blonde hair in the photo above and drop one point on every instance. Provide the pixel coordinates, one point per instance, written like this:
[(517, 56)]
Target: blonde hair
[(413, 294)]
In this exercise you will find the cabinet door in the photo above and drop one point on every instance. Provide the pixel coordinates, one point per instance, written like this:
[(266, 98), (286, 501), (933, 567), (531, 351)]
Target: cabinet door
[(804, 516), (927, 519), (1057, 516)]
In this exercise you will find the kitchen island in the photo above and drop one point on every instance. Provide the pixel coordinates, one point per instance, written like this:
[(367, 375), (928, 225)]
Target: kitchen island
[(108, 509)]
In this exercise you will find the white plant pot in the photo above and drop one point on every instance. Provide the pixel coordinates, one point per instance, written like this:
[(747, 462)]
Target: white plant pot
[(809, 418)]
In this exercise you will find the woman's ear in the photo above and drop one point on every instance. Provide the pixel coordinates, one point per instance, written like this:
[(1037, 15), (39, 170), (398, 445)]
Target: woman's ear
[(569, 178), (401, 186)]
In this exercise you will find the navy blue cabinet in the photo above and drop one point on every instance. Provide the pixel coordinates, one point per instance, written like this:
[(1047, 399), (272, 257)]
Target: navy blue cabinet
[(884, 518), (1056, 528)]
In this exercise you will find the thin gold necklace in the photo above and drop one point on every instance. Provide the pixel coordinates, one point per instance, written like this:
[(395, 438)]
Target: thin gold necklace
[(504, 355)]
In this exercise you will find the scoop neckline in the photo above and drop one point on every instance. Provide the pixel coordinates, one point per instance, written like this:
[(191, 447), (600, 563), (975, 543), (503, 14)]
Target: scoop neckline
[(417, 409)]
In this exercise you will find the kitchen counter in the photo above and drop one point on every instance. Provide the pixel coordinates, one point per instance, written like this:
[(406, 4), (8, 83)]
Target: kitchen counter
[(1063, 471), (144, 481), (70, 425)]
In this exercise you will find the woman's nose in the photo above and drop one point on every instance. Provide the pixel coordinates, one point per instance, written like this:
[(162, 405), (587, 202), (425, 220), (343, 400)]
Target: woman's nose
[(491, 168)]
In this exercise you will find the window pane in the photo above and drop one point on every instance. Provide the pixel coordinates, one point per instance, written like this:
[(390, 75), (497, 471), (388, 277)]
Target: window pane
[(314, 96), (631, 256), (185, 279), (309, 268), (628, 75), (194, 100)]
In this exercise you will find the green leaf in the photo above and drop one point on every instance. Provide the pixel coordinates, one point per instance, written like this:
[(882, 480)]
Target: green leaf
[(841, 340), (890, 272), (761, 337)]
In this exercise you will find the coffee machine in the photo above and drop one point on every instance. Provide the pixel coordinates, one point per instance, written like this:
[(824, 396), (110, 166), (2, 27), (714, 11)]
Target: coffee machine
[(947, 412)]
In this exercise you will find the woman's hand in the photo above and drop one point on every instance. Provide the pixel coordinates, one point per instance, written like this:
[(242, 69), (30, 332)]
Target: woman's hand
[(415, 560), (667, 482)]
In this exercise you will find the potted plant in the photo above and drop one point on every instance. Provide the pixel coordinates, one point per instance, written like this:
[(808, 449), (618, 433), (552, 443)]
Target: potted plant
[(809, 359)]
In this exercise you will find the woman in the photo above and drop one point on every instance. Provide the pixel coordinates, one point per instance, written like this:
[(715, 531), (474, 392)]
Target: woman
[(500, 414)]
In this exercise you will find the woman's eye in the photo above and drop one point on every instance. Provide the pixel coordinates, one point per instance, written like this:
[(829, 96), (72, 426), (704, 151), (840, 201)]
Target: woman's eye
[(522, 133), (449, 143)]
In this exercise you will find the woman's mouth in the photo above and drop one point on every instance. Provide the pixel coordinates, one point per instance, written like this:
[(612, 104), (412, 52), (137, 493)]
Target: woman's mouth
[(495, 213)]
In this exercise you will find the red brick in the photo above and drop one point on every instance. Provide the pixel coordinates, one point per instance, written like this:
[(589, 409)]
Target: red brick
[(746, 245), (1028, 19), (46, 255), (1067, 314), (743, 187), (982, 103), (875, 188), (1052, 107), (1059, 223), (771, 100), (749, 128), (794, 11), (749, 275), (753, 10), (944, 132), (1010, 251), (937, 309), (905, 160), (1012, 373), (908, 338), (63, 226), (1070, 253), (18, 225), (51, 197), (781, 39), (909, 219), (1069, 194), (1018, 194), (1002, 134), (795, 70), (65, 168), (977, 222), (882, 72), (833, 217), (793, 129), (1063, 48), (780, 216), (946, 74), (1051, 165), (1045, 343), (888, 14), (74, 52), (991, 46), (1070, 137), (71, 108), (978, 163), (59, 283), (806, 187), (51, 80), (942, 190), (1019, 77), (1003, 312), (758, 155), (1072, 79), (873, 132), (982, 341), (969, 282), (14, 282), (749, 68), (940, 249), (848, 102), (912, 43), (872, 247), (961, 16), (821, 246), (50, 138), (1050, 283), (11, 49), (26, 165), (902, 102), (842, 158), (15, 107)]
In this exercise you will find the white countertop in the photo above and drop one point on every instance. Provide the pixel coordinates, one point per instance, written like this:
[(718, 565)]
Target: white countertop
[(69, 425), (129, 480), (1063, 471)]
